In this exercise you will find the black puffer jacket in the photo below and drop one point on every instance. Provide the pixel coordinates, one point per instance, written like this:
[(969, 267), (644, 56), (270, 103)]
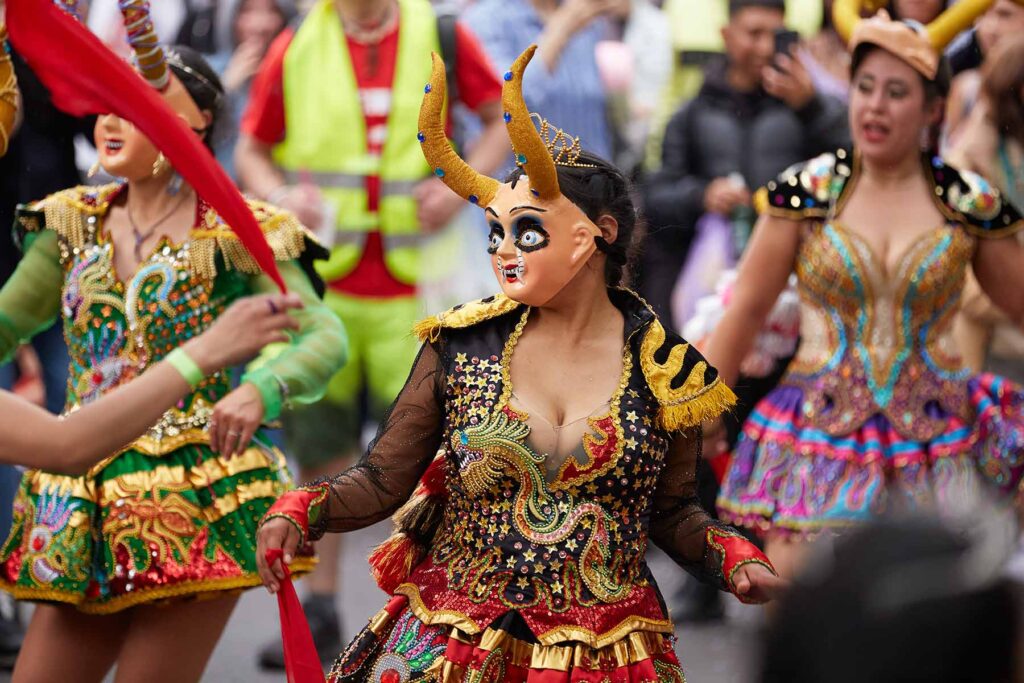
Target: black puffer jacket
[(719, 132), (722, 131)]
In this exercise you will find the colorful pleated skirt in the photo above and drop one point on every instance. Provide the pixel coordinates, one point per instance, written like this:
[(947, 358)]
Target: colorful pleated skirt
[(788, 477)]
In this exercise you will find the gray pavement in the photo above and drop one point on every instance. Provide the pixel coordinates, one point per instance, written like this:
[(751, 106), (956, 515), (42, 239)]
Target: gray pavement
[(710, 654)]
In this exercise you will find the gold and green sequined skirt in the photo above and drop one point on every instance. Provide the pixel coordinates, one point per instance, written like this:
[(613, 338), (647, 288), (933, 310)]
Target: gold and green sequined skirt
[(143, 529)]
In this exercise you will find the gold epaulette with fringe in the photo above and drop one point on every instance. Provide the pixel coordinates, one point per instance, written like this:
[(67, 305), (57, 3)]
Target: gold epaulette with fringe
[(287, 238), (464, 315), (688, 389), (73, 214)]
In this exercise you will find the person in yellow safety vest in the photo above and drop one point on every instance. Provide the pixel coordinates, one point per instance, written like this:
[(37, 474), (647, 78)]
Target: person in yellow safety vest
[(330, 133), (696, 36)]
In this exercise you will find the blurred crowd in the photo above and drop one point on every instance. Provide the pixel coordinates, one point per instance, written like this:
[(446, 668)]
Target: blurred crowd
[(701, 101)]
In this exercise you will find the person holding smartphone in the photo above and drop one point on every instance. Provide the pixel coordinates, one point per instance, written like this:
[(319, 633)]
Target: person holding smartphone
[(757, 113)]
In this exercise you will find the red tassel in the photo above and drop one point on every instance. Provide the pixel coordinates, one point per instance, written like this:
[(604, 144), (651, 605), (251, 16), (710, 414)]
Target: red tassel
[(392, 561), (432, 481), (301, 661)]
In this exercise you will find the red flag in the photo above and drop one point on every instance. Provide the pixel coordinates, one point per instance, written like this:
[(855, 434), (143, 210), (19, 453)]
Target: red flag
[(84, 77), (301, 661)]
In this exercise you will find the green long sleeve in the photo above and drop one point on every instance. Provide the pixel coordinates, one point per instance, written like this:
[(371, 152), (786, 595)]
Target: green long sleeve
[(30, 300), (317, 350)]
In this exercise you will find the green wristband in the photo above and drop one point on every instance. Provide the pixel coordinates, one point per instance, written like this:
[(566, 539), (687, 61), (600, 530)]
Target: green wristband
[(183, 363)]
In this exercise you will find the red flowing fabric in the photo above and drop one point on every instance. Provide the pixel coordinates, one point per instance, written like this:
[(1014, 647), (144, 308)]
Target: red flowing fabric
[(84, 77), (301, 661)]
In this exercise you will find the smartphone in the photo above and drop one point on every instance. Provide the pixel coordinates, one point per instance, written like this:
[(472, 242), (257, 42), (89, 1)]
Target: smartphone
[(785, 40)]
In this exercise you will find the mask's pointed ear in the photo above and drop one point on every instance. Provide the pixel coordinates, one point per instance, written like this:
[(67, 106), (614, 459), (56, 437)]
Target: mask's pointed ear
[(583, 241)]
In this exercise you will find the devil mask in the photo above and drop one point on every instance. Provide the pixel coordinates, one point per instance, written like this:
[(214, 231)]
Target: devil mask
[(538, 239)]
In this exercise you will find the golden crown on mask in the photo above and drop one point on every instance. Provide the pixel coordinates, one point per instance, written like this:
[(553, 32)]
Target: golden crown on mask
[(537, 152)]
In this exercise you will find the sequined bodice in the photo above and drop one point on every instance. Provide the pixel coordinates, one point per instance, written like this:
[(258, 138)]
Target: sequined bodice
[(116, 328), (874, 341), (521, 533)]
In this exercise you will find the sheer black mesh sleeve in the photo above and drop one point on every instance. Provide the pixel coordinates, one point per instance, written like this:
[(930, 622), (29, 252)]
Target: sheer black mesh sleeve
[(678, 522), (406, 442)]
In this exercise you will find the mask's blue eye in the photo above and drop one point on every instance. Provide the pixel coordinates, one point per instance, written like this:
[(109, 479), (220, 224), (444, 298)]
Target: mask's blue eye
[(530, 238), (495, 239), (530, 234)]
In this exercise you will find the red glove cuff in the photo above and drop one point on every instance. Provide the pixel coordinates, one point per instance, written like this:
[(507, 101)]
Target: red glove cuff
[(736, 551), (301, 507)]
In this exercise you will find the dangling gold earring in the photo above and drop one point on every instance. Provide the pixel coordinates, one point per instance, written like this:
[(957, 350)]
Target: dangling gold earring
[(94, 169), (159, 165)]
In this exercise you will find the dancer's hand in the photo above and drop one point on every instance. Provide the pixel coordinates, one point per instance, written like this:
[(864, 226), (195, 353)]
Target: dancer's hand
[(755, 584), (241, 332), (236, 417), (273, 534)]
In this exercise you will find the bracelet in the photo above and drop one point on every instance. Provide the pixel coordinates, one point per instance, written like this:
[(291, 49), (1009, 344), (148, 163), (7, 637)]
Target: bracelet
[(183, 363)]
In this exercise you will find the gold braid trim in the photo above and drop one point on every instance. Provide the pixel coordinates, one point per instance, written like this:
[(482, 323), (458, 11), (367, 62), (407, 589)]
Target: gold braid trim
[(693, 402), (287, 237), (464, 315)]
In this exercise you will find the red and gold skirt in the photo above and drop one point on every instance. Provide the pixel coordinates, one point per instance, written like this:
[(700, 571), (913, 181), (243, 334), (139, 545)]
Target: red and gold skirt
[(397, 647)]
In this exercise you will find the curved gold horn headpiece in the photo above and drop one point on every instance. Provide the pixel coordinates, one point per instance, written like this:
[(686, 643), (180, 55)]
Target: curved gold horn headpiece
[(8, 93), (149, 55), (950, 23), (532, 155), (941, 31), (846, 15), (446, 164)]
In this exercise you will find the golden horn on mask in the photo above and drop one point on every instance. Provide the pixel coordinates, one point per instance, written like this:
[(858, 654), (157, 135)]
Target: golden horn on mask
[(846, 15), (532, 154), (149, 56), (445, 162), (8, 93), (941, 31), (957, 18)]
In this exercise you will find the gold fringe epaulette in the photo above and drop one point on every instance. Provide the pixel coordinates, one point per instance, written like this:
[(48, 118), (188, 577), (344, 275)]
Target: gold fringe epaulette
[(688, 389), (287, 238), (464, 315), (72, 213)]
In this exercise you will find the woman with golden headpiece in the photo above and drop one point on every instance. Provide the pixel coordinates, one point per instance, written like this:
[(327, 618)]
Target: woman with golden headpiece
[(878, 410), (117, 558), (554, 430)]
